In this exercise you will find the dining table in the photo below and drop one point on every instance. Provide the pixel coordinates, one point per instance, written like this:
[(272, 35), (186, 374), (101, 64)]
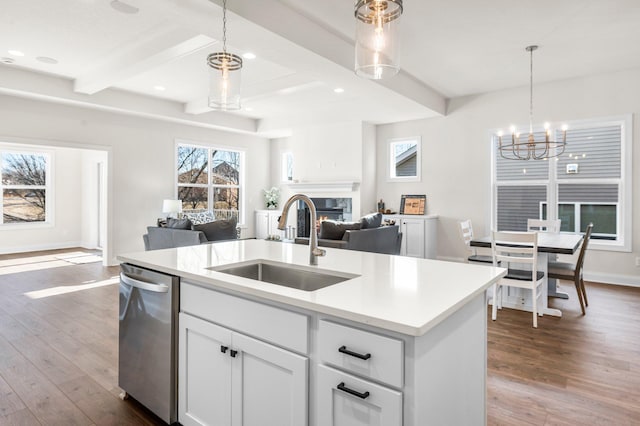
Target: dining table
[(549, 245)]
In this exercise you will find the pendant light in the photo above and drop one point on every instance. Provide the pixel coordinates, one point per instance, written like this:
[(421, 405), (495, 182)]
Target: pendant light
[(377, 38), (531, 148), (224, 72)]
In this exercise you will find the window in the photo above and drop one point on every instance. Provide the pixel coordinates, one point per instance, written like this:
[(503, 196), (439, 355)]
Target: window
[(404, 159), (210, 179), (24, 186), (287, 167), (589, 183)]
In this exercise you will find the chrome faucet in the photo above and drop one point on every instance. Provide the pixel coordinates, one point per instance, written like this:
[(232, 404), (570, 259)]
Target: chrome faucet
[(314, 251)]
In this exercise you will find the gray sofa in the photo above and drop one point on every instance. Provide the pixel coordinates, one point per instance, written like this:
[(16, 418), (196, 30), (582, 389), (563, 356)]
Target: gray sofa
[(365, 235), (175, 233)]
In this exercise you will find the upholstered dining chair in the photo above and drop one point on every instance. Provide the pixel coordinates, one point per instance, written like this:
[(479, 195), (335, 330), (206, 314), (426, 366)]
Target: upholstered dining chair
[(520, 248), (542, 225), (466, 231), (573, 271)]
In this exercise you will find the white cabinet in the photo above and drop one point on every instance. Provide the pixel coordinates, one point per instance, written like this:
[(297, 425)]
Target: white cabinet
[(227, 378), (343, 397), (267, 223), (419, 235)]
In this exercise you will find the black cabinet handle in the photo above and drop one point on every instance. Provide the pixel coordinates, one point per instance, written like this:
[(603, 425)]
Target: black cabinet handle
[(344, 350), (233, 353), (223, 349), (343, 388)]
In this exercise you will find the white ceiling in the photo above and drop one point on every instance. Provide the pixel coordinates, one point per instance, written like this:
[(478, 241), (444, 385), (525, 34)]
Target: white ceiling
[(304, 50)]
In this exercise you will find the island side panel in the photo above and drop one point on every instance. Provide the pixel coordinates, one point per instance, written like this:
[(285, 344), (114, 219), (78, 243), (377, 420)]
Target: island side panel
[(446, 370)]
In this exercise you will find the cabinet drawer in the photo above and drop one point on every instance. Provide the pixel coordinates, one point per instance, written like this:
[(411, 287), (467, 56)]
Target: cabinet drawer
[(274, 325), (346, 400), (361, 352)]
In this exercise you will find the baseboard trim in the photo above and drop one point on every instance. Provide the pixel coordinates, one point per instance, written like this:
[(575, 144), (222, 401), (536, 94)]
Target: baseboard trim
[(615, 279), (41, 247)]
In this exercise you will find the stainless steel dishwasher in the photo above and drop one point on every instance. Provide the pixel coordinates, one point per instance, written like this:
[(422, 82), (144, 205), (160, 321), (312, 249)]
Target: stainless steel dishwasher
[(148, 339)]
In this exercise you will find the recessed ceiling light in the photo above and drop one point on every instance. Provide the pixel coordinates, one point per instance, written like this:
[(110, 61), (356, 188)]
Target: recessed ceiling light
[(16, 53), (160, 88), (47, 60), (338, 90), (249, 55), (7, 60), (124, 7)]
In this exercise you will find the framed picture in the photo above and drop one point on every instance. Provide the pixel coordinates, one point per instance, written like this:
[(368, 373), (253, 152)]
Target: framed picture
[(413, 204)]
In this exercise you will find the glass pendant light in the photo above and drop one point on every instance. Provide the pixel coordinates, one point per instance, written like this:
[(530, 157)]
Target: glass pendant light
[(377, 38), (224, 72)]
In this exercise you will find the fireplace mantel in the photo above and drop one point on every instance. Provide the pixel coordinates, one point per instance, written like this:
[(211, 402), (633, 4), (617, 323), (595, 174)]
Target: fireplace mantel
[(333, 186)]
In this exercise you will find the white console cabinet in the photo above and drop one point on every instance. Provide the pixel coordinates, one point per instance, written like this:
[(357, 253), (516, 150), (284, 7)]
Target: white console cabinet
[(419, 234), (267, 223)]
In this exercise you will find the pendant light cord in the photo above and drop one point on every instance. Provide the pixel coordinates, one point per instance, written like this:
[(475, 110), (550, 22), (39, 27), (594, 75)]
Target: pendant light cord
[(224, 26), (530, 91)]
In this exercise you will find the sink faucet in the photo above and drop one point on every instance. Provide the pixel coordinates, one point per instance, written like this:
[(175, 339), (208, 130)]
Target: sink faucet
[(314, 251)]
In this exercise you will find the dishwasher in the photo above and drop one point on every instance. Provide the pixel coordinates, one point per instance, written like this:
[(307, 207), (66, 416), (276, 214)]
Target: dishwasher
[(148, 330)]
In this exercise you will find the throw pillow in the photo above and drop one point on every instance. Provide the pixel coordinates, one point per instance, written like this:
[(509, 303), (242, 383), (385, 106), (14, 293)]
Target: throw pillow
[(373, 220), (333, 230), (218, 230), (200, 217), (178, 223)]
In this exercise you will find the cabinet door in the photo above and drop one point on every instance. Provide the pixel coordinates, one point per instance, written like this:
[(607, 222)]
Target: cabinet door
[(262, 225), (368, 404), (269, 385), (413, 237), (204, 373)]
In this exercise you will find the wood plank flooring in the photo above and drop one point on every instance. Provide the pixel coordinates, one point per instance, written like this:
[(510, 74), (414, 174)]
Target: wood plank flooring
[(59, 358)]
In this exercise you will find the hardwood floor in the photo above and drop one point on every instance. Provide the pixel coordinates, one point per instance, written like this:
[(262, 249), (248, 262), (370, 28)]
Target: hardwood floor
[(59, 337)]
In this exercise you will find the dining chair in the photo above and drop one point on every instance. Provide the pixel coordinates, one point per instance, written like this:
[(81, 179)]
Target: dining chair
[(466, 231), (573, 271), (520, 248), (542, 225)]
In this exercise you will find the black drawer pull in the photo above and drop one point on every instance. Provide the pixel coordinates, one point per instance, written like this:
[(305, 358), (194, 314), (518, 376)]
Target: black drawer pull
[(223, 349), (233, 353), (343, 388), (344, 350)]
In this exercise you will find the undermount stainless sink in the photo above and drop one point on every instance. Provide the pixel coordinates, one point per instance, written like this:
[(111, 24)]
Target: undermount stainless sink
[(285, 274)]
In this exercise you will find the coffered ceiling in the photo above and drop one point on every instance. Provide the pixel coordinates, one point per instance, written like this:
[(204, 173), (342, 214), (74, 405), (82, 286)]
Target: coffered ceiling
[(152, 63)]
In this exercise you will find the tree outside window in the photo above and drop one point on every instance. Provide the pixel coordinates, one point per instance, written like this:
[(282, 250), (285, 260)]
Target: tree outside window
[(24, 186), (210, 179)]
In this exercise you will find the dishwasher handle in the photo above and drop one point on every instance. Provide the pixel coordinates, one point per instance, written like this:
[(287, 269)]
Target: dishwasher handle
[(156, 288)]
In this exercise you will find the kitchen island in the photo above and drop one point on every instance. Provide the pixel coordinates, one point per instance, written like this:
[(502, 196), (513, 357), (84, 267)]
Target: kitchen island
[(398, 341)]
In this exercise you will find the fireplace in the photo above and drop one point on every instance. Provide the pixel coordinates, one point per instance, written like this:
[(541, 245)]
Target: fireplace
[(326, 208)]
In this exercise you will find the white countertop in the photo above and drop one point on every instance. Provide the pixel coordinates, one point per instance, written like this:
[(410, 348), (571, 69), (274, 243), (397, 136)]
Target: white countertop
[(396, 293)]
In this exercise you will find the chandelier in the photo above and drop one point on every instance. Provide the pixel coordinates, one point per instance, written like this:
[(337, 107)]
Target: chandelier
[(531, 148), (224, 72), (377, 38)]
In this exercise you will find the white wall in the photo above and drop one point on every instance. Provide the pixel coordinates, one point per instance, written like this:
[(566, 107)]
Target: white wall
[(456, 164), (141, 158), (323, 154), (64, 199), (91, 232)]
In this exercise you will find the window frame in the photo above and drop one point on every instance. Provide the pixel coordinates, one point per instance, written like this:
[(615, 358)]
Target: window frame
[(391, 176), (625, 201), (48, 187), (210, 186)]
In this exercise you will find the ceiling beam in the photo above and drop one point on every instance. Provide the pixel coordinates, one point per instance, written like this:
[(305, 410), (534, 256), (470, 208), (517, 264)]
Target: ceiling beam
[(315, 37), (150, 50), (48, 88)]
